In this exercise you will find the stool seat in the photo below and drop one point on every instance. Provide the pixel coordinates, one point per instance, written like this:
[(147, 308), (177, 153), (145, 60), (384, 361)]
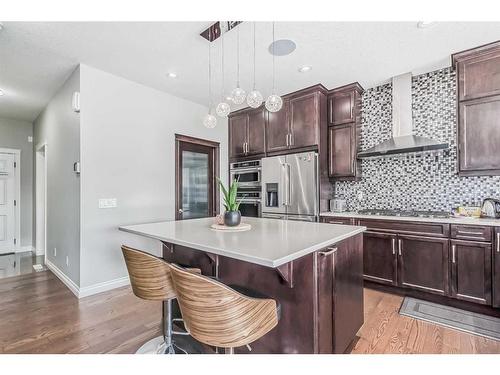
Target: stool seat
[(255, 294)]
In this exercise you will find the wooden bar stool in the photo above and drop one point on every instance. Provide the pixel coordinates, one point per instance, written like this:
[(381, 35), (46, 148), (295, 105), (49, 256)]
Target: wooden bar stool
[(220, 316), (151, 280)]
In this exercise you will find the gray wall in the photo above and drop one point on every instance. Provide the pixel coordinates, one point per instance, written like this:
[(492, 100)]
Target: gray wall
[(128, 153), (14, 134), (59, 127)]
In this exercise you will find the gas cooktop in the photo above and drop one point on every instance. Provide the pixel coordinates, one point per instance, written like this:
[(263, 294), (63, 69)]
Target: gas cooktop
[(404, 213)]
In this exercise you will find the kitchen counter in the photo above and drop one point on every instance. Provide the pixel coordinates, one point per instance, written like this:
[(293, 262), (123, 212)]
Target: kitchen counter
[(269, 243), (451, 220), (314, 270)]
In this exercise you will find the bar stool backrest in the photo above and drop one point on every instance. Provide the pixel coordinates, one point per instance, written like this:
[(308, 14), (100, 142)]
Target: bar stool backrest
[(217, 315), (149, 275)]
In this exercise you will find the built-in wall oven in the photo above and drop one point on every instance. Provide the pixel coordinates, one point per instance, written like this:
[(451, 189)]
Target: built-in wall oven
[(248, 174)]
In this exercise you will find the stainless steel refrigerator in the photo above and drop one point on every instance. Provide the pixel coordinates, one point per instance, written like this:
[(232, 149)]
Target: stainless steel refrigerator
[(290, 187)]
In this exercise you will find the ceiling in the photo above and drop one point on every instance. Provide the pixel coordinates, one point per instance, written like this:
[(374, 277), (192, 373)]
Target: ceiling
[(36, 57)]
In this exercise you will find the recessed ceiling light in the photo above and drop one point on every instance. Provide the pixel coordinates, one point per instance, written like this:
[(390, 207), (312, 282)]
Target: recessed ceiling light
[(172, 75), (305, 68), (282, 47), (424, 24), (1, 92)]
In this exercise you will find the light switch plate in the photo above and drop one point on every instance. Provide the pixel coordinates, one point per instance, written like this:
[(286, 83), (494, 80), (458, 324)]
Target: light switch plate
[(107, 203)]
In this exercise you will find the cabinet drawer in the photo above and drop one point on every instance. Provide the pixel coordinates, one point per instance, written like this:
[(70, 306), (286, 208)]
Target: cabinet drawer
[(407, 227), (337, 220), (471, 232)]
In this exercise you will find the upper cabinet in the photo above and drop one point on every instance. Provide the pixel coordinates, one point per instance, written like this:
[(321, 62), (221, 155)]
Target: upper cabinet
[(344, 120), (278, 128), (478, 84), (247, 133)]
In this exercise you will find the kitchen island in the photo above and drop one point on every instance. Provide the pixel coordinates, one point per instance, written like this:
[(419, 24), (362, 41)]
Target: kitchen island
[(314, 270)]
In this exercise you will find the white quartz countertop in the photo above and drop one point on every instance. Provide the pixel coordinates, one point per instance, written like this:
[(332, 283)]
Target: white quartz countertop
[(451, 220), (270, 242)]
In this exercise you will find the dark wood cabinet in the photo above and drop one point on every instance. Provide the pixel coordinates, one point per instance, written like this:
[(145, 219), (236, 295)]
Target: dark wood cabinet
[(496, 269), (478, 81), (304, 120), (278, 128), (344, 120), (338, 220), (380, 258), (471, 274), (423, 263), (479, 136), (342, 155), (341, 107), (247, 133)]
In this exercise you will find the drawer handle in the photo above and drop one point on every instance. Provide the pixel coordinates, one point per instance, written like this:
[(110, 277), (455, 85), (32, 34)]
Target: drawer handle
[(336, 222), (393, 246), (498, 242), (453, 250), (467, 232), (332, 250), (399, 246)]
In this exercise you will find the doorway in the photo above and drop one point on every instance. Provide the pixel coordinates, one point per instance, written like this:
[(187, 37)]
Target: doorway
[(196, 169), (10, 191), (41, 200)]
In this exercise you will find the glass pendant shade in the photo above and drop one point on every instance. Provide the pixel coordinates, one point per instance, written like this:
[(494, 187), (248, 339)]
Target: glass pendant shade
[(223, 109), (254, 99), (274, 103), (210, 121), (238, 95)]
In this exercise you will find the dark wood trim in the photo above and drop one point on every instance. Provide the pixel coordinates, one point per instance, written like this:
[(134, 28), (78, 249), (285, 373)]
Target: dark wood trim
[(215, 146), (348, 87), (473, 52), (407, 227)]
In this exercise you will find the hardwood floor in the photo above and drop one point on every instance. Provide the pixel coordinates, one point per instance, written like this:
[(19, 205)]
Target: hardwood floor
[(38, 314), (387, 332)]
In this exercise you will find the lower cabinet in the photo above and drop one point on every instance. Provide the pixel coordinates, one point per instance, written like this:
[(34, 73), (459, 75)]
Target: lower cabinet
[(380, 258), (423, 264), (471, 274), (496, 270)]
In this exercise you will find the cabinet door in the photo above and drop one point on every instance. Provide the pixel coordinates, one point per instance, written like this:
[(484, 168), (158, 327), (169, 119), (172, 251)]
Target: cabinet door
[(256, 131), (342, 150), (479, 76), (379, 258), (496, 269), (238, 135), (479, 136), (471, 271), (304, 120), (278, 128), (423, 264), (341, 107)]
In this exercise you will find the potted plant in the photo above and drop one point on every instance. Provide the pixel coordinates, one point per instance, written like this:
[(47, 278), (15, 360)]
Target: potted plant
[(232, 216)]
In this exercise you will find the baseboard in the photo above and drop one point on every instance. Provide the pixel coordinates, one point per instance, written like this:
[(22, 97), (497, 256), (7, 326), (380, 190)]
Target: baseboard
[(88, 290), (24, 249), (62, 276), (38, 252), (103, 287)]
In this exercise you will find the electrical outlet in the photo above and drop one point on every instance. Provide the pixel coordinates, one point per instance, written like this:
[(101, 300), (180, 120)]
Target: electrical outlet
[(55, 251), (360, 195), (107, 203), (67, 261)]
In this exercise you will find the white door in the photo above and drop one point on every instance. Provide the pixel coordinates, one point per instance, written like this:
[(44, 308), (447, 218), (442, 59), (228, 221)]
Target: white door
[(7, 208)]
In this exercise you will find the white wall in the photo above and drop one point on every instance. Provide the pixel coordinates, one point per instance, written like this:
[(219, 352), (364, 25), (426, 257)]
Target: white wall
[(59, 127), (14, 134), (128, 153)]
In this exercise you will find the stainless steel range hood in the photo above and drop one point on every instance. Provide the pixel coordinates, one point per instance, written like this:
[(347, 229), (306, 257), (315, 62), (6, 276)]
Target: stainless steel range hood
[(403, 140)]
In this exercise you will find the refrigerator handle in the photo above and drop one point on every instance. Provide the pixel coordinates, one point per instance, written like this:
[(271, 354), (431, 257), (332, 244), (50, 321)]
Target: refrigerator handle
[(289, 184), (282, 184)]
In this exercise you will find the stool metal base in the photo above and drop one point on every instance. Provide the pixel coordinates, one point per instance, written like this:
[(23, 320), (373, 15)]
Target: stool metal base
[(159, 346)]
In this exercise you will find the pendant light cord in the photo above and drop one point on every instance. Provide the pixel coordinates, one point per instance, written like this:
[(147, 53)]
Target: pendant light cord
[(222, 65), (238, 57), (254, 24), (274, 56), (209, 77)]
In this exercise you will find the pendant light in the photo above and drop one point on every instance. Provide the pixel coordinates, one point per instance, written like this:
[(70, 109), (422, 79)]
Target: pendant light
[(274, 102), (223, 108), (209, 121), (254, 97), (238, 94)]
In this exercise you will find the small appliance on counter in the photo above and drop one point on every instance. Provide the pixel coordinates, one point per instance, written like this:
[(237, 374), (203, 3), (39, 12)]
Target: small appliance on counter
[(491, 208), (338, 205)]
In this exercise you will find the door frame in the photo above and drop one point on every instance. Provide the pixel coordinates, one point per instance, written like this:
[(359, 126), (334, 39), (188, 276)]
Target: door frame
[(38, 149), (215, 146), (17, 193)]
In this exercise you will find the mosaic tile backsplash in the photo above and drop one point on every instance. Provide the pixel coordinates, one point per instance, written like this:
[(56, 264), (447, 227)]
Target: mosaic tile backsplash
[(417, 181)]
